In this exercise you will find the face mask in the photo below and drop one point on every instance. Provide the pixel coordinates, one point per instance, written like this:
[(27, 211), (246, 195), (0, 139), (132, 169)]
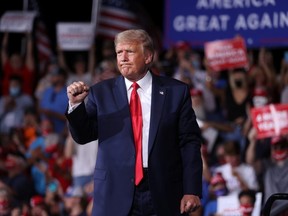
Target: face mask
[(238, 83), (4, 206), (196, 64), (246, 209), (259, 101), (46, 132), (221, 160), (220, 192), (14, 91), (56, 83), (280, 155)]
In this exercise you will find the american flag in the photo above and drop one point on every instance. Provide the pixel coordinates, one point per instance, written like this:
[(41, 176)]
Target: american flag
[(43, 45), (42, 42), (116, 16)]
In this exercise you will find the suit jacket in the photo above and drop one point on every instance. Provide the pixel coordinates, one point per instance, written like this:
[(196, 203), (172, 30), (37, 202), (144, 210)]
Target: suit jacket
[(174, 159)]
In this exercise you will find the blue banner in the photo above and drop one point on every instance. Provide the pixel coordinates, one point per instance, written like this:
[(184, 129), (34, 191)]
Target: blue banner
[(262, 23)]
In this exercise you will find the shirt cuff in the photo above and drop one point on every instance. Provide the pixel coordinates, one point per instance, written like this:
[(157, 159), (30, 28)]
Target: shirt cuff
[(72, 107)]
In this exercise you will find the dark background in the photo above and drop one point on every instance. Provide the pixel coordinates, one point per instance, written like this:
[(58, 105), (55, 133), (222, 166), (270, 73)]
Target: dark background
[(53, 11)]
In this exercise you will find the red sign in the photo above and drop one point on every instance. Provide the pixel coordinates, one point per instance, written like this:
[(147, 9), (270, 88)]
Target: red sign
[(271, 120), (226, 54)]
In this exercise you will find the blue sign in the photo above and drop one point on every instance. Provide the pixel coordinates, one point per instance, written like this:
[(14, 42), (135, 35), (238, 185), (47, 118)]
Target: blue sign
[(262, 23)]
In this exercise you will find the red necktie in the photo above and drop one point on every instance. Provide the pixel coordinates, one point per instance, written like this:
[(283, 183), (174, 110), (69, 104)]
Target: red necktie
[(136, 116)]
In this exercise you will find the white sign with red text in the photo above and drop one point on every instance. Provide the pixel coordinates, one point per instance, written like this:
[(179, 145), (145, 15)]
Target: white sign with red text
[(75, 36), (271, 120), (226, 54), (229, 205), (17, 21)]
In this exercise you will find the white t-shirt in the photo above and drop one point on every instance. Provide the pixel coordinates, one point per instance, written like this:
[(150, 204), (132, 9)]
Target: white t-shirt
[(84, 159), (246, 172), (199, 81)]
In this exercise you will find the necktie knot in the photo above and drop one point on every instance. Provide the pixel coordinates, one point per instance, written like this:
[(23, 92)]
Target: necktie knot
[(135, 86)]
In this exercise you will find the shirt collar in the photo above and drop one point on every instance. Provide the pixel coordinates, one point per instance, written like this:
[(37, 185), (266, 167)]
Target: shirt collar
[(143, 83)]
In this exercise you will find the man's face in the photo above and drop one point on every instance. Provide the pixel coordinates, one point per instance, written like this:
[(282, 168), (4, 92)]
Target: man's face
[(246, 205), (132, 61), (57, 80), (232, 159), (279, 152), (80, 66)]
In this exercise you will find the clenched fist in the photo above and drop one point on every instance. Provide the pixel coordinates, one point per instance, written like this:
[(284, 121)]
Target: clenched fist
[(77, 92)]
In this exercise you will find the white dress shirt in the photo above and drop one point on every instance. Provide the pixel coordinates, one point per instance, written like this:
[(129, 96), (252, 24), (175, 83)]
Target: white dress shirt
[(144, 92)]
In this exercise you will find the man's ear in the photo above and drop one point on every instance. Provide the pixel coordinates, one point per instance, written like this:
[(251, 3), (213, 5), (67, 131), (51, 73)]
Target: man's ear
[(148, 57)]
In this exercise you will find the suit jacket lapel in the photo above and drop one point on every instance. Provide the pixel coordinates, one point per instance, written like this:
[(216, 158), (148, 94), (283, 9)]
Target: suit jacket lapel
[(157, 102), (120, 96), (120, 93)]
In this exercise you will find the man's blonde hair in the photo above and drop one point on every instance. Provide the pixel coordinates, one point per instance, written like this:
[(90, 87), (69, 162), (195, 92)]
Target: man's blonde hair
[(136, 35)]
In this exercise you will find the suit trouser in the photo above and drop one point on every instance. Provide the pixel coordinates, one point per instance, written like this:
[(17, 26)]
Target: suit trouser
[(142, 202)]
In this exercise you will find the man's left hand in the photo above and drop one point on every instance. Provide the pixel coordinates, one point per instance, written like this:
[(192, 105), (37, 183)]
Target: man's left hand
[(189, 204)]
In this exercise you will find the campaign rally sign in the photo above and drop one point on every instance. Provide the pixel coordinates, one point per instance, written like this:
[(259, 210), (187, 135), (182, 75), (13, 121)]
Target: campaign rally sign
[(260, 22), (17, 21), (271, 120), (226, 54), (75, 36), (229, 205)]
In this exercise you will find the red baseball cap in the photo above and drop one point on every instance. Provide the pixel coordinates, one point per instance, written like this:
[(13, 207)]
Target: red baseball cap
[(36, 200)]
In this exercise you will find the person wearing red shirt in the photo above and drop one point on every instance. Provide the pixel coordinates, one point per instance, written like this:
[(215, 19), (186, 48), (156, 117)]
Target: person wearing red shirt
[(15, 64)]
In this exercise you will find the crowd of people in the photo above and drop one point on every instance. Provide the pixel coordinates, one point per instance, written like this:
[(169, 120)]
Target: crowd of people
[(223, 102), (43, 171)]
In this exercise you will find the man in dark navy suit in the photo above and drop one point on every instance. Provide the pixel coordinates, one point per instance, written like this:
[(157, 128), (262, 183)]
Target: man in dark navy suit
[(170, 180)]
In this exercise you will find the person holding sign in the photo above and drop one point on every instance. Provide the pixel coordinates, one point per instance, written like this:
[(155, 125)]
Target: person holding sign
[(237, 174), (273, 169), (217, 188), (145, 118), (247, 199), (15, 65), (81, 69)]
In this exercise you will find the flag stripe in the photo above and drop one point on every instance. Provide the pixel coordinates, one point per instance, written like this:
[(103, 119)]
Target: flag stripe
[(117, 12), (109, 33), (113, 18), (116, 24), (43, 38), (44, 50), (43, 45)]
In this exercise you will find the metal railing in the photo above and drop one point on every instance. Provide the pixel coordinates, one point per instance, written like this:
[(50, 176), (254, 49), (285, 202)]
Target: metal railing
[(268, 205)]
